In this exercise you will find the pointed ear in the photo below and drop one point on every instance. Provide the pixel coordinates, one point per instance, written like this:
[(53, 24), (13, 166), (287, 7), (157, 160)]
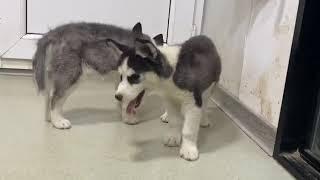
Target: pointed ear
[(120, 48), (137, 28), (158, 39), (146, 49)]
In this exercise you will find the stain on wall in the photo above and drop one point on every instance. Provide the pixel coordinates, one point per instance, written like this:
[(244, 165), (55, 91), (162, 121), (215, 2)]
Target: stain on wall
[(266, 58), (254, 40)]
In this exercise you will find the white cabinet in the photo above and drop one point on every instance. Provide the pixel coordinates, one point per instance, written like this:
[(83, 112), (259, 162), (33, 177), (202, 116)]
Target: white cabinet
[(22, 22), (45, 14)]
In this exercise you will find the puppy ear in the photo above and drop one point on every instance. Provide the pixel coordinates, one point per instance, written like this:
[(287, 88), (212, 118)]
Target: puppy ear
[(137, 28), (158, 39), (145, 49), (120, 48)]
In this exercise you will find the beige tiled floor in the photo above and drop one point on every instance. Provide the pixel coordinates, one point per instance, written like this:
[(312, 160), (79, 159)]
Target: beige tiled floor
[(99, 146)]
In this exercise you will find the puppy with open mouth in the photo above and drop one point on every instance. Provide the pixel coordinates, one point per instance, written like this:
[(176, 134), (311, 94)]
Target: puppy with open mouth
[(184, 75), (65, 51)]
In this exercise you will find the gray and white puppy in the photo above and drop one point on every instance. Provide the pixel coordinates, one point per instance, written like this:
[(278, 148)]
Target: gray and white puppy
[(63, 52), (184, 75)]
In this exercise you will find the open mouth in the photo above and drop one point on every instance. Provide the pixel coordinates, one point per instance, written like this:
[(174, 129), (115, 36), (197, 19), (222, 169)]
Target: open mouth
[(135, 103)]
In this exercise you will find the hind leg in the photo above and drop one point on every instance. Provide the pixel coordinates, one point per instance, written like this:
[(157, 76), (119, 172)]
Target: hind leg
[(65, 72), (47, 106), (173, 136), (59, 97), (57, 119), (205, 121)]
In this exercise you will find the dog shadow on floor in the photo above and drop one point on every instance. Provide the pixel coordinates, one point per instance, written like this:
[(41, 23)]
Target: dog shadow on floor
[(220, 134), (83, 116)]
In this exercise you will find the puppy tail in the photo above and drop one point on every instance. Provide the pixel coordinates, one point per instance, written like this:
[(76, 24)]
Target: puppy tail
[(39, 63)]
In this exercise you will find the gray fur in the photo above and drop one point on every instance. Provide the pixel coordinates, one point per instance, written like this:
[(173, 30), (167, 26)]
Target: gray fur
[(198, 66), (76, 44)]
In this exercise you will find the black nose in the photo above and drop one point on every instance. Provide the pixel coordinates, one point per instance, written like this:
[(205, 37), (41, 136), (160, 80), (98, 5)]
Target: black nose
[(118, 97)]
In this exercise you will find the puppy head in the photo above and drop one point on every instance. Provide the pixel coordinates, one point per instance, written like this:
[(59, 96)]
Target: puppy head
[(133, 65)]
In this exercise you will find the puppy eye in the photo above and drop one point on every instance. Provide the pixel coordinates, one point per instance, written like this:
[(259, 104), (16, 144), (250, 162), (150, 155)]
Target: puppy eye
[(134, 79), (120, 77)]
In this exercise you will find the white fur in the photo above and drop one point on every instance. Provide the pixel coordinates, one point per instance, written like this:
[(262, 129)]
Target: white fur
[(171, 53), (128, 91), (124, 85), (173, 136), (192, 117), (175, 99)]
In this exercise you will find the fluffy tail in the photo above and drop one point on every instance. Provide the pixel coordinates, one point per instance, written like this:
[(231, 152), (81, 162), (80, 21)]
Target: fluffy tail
[(39, 63)]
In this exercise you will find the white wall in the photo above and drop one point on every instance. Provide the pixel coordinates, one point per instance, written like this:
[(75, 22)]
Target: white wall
[(226, 23), (12, 23), (254, 39)]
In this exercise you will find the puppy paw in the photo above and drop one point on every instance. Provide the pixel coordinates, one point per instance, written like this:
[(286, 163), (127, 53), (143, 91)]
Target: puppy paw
[(61, 123), (164, 117), (189, 151), (172, 139)]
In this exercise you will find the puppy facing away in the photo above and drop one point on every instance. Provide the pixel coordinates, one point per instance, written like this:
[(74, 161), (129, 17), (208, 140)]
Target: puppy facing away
[(62, 54), (185, 76)]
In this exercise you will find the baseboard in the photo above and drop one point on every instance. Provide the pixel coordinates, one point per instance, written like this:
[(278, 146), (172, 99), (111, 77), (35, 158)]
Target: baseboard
[(9, 63), (16, 72), (255, 127)]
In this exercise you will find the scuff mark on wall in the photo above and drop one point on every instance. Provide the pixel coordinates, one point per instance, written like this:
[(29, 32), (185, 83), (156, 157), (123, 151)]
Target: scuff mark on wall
[(266, 58), (261, 92), (254, 39)]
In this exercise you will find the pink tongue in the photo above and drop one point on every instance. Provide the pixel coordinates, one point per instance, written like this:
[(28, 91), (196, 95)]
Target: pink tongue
[(131, 107)]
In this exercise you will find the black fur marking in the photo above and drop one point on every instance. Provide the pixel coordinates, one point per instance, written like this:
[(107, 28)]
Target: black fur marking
[(134, 79), (158, 61), (158, 39), (159, 66), (145, 57), (197, 97), (137, 28), (139, 64)]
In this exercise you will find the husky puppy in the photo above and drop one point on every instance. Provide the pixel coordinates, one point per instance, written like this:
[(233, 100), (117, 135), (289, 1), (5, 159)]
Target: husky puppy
[(63, 52), (184, 75)]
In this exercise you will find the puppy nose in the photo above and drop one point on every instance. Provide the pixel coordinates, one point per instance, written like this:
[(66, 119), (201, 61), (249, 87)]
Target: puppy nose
[(118, 97)]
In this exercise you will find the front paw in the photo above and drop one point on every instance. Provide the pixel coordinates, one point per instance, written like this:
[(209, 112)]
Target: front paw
[(172, 139), (61, 123), (164, 117), (189, 151)]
